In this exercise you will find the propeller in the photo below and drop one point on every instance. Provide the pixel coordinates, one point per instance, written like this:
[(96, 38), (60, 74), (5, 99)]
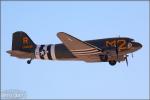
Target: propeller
[(117, 49), (132, 55), (126, 58)]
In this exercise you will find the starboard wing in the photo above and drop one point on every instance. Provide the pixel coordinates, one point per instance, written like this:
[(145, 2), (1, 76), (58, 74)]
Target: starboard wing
[(82, 50)]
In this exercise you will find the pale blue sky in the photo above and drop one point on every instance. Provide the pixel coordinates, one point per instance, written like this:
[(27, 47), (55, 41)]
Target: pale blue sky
[(76, 79)]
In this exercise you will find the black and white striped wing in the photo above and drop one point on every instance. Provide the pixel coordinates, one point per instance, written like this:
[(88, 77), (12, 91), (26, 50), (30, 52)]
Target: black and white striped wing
[(80, 49)]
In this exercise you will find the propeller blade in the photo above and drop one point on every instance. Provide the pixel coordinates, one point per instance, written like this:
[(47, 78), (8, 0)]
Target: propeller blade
[(132, 55), (126, 59), (117, 50)]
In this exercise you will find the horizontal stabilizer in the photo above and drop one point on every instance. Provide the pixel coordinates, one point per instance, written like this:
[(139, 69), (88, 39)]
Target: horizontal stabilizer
[(20, 54)]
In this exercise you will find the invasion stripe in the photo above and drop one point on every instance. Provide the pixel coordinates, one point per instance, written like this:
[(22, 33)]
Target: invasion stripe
[(45, 54), (89, 49), (87, 53), (49, 52), (37, 52), (53, 52), (40, 50)]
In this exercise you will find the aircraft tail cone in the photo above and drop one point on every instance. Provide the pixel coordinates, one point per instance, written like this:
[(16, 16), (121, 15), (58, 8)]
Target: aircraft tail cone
[(9, 51)]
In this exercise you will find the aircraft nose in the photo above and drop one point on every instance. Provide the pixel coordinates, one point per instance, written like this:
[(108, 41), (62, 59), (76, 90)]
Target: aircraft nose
[(137, 45)]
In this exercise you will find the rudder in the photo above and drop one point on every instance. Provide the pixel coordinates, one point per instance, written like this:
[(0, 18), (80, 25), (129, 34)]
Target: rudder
[(22, 42)]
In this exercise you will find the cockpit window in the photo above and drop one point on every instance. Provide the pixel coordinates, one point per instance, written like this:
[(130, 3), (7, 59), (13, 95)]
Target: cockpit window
[(129, 45)]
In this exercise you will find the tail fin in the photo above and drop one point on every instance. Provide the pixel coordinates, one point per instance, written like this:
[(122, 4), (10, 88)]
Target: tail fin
[(22, 42)]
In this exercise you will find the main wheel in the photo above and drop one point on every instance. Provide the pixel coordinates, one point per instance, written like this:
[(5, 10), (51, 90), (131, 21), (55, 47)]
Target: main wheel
[(112, 62), (28, 61)]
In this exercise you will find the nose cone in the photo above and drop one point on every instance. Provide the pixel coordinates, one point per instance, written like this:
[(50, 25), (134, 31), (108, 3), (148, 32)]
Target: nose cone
[(137, 45)]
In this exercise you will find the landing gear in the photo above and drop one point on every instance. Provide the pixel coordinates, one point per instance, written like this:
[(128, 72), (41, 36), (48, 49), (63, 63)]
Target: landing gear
[(112, 62), (29, 61)]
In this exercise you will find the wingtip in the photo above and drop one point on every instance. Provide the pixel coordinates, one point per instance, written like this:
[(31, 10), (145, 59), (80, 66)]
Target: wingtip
[(60, 33)]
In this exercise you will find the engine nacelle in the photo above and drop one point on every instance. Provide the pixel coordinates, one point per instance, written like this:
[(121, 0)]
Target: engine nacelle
[(103, 58)]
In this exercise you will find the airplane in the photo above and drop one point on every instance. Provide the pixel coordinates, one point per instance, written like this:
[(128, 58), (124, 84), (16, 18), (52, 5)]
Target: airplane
[(110, 50)]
